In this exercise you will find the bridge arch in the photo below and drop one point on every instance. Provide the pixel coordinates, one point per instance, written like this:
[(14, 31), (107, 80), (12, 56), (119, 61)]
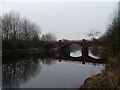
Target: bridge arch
[(51, 48), (97, 50), (70, 49)]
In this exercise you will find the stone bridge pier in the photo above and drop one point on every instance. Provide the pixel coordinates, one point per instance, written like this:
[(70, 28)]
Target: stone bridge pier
[(84, 51), (84, 48)]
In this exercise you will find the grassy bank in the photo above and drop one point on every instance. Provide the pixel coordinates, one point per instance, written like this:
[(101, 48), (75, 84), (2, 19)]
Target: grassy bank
[(109, 78)]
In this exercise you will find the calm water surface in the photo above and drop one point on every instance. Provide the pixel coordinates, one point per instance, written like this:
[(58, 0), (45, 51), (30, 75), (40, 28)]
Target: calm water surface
[(62, 74), (34, 72)]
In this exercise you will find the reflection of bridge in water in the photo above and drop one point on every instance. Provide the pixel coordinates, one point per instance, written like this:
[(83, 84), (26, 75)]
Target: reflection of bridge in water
[(82, 59)]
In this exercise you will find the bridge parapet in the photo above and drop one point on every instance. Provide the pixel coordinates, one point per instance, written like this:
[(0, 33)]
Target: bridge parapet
[(84, 43)]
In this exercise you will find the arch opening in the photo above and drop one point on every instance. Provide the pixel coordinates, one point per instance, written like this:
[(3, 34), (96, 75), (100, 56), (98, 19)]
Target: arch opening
[(75, 50), (72, 50), (51, 49), (97, 52)]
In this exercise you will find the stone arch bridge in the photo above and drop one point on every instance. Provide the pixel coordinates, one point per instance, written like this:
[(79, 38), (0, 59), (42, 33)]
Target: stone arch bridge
[(85, 44)]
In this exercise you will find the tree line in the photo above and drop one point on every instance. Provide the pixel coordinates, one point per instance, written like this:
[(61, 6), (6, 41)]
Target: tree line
[(112, 35), (20, 33)]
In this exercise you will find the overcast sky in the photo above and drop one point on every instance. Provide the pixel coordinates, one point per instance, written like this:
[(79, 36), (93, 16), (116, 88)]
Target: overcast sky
[(68, 20)]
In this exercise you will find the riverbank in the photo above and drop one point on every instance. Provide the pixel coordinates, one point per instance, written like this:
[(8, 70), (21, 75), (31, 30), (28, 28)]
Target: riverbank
[(22, 51), (108, 78)]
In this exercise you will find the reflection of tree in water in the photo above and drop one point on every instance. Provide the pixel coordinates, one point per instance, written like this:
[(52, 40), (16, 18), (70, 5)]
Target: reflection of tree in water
[(16, 73)]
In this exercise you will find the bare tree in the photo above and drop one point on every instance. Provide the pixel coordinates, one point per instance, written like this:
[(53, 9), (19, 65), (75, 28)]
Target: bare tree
[(10, 23), (95, 34), (15, 29), (48, 37)]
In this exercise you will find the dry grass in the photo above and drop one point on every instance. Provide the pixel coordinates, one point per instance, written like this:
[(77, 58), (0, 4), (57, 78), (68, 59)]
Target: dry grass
[(109, 78)]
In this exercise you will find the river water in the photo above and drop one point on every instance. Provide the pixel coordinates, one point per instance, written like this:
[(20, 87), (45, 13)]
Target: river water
[(27, 71)]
